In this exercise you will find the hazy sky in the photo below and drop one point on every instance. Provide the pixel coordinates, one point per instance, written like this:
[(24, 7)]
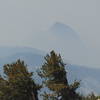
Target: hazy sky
[(21, 19)]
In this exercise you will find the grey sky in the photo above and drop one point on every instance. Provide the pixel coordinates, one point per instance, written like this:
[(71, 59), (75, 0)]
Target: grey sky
[(20, 19)]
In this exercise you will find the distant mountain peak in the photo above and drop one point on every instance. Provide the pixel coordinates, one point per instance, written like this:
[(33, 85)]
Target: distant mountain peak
[(60, 25), (59, 28)]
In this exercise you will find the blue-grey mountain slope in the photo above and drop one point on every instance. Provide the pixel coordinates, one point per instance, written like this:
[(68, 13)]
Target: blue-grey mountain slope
[(67, 41), (31, 56), (89, 77)]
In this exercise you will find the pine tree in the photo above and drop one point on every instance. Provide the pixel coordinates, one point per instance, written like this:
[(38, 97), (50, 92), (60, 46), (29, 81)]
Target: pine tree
[(55, 78), (18, 83)]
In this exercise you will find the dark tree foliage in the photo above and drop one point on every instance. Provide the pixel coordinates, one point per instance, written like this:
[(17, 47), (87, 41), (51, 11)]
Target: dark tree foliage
[(55, 78), (18, 83), (90, 97)]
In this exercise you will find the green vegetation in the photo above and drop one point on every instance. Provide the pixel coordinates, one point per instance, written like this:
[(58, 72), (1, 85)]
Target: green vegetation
[(54, 75), (17, 82)]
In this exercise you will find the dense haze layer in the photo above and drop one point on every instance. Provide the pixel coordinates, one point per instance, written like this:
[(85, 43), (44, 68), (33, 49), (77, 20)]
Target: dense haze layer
[(22, 23)]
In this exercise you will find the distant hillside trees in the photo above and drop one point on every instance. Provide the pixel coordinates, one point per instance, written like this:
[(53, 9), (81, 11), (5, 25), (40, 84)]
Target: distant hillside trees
[(55, 79), (90, 97)]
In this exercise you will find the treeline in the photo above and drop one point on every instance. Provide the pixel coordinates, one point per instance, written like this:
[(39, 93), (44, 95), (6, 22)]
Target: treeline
[(17, 82)]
